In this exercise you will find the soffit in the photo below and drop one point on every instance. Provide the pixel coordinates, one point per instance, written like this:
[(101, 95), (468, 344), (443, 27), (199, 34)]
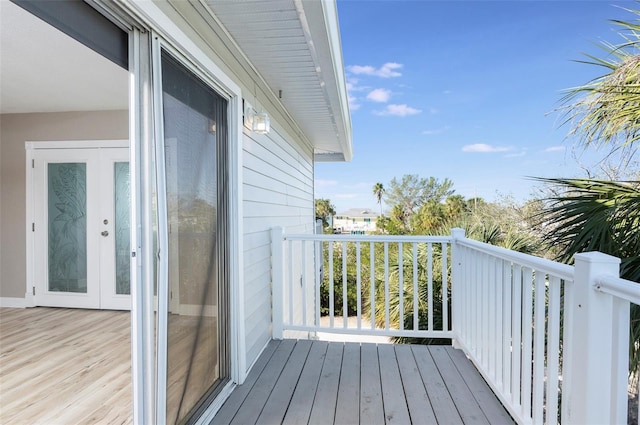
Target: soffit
[(294, 45)]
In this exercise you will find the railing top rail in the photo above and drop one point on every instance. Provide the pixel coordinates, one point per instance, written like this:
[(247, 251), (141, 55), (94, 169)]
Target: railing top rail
[(618, 287), (367, 238), (563, 271)]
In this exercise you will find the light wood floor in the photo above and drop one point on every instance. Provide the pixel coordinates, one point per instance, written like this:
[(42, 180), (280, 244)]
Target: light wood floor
[(319, 382), (64, 366)]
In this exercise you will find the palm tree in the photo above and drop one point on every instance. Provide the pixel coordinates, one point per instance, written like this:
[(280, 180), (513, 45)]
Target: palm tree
[(588, 214), (378, 191)]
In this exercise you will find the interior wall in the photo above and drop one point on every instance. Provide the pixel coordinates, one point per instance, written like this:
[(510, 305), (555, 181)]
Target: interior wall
[(15, 130)]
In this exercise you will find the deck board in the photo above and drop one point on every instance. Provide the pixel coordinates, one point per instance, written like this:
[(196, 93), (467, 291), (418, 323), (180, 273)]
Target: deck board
[(460, 393), (303, 399), (350, 383), (371, 409), (347, 411), (418, 404), (324, 406), (441, 401), (261, 391), (272, 412), (395, 402)]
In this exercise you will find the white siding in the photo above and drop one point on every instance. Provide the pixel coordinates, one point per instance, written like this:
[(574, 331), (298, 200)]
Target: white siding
[(277, 191)]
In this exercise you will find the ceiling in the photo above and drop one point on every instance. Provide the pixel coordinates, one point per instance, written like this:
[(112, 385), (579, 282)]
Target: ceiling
[(294, 45), (45, 70)]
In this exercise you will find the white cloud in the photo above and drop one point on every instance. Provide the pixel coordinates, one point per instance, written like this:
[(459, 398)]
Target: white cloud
[(388, 70), (482, 147), (435, 131), (555, 149), (319, 183), (433, 111), (353, 103), (379, 95), (516, 155), (398, 110)]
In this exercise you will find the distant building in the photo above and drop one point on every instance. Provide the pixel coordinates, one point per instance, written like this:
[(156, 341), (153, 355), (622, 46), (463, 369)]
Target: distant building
[(355, 221)]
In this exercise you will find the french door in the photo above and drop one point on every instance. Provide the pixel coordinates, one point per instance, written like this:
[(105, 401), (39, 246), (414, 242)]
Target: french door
[(81, 228)]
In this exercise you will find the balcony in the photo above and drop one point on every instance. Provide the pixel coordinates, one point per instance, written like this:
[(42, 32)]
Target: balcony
[(549, 341)]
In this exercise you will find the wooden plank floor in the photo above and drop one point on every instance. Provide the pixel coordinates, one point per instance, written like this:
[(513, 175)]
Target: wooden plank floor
[(319, 382), (65, 366)]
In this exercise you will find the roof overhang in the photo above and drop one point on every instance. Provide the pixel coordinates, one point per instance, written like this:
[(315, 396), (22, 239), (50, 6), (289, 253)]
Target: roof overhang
[(295, 46)]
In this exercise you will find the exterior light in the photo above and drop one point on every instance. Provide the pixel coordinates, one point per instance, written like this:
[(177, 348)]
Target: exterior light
[(261, 123), (258, 122)]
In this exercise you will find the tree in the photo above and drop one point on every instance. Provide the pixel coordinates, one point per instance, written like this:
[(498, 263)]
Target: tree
[(324, 209), (378, 191), (412, 191), (589, 214)]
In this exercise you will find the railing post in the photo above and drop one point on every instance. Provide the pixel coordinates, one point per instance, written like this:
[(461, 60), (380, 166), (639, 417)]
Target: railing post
[(588, 357), (456, 284), (277, 282)]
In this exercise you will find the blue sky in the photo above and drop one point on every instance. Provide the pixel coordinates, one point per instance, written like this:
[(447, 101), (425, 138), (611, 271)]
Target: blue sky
[(463, 90)]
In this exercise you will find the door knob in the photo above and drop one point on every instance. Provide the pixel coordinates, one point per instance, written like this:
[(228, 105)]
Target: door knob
[(105, 233)]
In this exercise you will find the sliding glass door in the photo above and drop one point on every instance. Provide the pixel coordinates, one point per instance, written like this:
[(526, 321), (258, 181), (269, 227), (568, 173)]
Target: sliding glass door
[(195, 178)]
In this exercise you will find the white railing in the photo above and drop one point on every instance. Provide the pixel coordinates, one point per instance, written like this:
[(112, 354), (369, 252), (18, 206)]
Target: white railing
[(551, 340), (383, 275)]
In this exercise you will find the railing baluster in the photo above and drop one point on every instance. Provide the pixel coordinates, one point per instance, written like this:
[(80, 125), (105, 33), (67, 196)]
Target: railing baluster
[(359, 285), (506, 326), (320, 253), (491, 319), (386, 285), (416, 296), (430, 286), (538, 346), (331, 283), (527, 340), (400, 287), (516, 328), (497, 265), (291, 316), (553, 350), (445, 291), (345, 314), (485, 311), (304, 283), (372, 284)]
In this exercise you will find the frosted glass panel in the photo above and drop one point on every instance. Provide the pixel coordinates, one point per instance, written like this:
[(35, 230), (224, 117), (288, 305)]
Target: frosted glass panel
[(67, 219), (122, 226)]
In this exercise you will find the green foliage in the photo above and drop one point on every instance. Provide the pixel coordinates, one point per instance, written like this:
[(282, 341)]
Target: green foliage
[(324, 209), (337, 252), (588, 214), (378, 191), (411, 192), (596, 215)]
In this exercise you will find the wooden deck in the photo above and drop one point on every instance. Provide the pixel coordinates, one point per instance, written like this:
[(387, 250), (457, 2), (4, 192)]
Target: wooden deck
[(314, 382), (65, 366)]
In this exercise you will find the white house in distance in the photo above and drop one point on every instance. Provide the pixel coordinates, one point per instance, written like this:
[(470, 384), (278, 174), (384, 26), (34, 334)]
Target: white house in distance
[(355, 221), (147, 150)]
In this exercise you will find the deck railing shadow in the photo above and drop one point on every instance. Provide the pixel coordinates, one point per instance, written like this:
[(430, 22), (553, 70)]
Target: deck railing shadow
[(551, 340)]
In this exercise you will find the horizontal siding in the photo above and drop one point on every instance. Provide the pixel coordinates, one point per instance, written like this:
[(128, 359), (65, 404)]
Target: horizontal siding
[(277, 191)]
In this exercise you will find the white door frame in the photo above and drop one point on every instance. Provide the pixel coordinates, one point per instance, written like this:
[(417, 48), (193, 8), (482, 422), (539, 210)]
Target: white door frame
[(32, 192)]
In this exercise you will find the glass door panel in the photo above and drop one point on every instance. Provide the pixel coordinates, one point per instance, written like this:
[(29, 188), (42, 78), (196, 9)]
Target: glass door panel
[(66, 265), (122, 226), (82, 249), (195, 130), (115, 247), (67, 227)]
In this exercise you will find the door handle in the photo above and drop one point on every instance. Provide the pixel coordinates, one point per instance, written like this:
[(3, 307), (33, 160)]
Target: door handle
[(105, 233)]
